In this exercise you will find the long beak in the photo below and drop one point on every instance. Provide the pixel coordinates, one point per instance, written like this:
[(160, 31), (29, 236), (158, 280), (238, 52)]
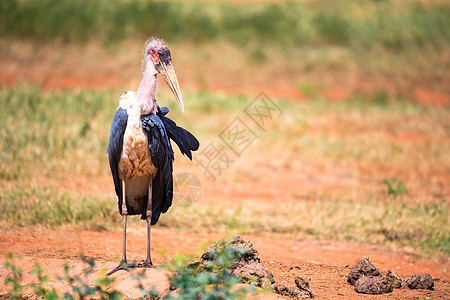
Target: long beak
[(167, 71)]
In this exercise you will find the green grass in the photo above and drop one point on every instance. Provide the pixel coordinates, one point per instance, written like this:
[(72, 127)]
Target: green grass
[(379, 220), (61, 131), (24, 205), (353, 24)]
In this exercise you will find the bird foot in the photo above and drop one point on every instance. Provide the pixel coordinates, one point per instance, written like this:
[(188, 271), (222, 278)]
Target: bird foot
[(122, 266), (146, 264)]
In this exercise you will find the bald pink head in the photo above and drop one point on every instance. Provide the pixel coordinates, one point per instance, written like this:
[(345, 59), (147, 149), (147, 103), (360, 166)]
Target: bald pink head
[(156, 51), (158, 54)]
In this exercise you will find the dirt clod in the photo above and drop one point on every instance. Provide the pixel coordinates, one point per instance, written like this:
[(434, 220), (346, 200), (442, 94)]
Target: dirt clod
[(396, 280), (282, 290), (247, 266), (361, 269), (303, 287), (373, 285), (420, 281), (292, 292), (250, 255), (302, 283), (255, 274), (301, 290), (299, 293)]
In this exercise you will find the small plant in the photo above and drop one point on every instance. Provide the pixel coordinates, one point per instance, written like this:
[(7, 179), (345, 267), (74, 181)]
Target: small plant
[(395, 187), (81, 289), (381, 98), (15, 279), (213, 280), (41, 288)]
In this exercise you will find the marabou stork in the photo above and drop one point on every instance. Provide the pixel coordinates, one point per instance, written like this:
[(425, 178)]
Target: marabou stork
[(139, 151)]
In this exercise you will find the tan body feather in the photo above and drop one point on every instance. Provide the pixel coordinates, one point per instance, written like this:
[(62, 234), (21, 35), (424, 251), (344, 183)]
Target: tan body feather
[(135, 162)]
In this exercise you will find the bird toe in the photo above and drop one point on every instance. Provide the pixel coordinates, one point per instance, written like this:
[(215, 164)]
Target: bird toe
[(146, 264)]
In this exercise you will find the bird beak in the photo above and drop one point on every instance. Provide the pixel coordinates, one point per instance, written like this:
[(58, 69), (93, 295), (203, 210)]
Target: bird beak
[(167, 71)]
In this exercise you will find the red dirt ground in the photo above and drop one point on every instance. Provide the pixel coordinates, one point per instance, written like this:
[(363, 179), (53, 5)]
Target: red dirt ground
[(327, 263), (334, 94)]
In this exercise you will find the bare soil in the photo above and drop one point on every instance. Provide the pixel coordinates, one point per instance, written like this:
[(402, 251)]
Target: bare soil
[(327, 263)]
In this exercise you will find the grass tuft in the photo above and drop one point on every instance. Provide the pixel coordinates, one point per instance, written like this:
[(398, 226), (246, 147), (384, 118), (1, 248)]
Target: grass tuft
[(24, 205)]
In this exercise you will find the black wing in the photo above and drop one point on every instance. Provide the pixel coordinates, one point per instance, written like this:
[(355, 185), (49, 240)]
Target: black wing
[(162, 157), (183, 138), (114, 150)]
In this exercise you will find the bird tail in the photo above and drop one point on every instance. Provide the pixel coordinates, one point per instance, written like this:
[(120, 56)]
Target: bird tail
[(183, 138)]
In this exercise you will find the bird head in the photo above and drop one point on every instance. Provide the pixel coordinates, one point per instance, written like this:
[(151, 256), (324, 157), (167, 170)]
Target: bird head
[(158, 54)]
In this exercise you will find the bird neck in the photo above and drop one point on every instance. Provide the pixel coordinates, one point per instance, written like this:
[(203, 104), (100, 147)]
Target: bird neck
[(147, 89)]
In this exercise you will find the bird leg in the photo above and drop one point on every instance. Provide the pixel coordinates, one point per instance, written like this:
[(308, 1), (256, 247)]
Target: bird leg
[(148, 261), (123, 263)]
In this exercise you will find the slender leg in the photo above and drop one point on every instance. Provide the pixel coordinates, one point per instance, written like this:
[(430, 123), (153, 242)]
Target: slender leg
[(148, 261), (123, 263), (124, 217)]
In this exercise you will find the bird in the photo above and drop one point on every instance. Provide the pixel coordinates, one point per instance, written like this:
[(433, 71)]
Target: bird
[(139, 150)]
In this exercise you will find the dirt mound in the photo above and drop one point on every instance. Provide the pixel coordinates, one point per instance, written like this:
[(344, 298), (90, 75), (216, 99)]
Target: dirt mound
[(249, 269), (368, 280), (255, 274), (397, 281), (361, 269), (247, 264), (248, 254), (420, 281), (373, 285)]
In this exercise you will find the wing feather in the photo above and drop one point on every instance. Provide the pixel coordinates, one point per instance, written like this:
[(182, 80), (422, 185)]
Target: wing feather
[(183, 138), (162, 157), (114, 149)]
